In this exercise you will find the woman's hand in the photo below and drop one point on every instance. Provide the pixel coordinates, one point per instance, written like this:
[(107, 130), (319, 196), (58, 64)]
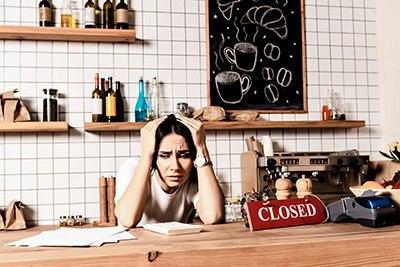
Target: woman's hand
[(148, 137), (197, 130)]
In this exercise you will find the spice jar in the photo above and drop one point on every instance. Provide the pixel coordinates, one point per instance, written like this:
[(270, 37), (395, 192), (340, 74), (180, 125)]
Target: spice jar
[(182, 108), (50, 105)]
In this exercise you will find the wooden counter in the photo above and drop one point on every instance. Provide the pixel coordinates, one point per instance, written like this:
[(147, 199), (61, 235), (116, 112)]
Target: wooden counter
[(223, 245)]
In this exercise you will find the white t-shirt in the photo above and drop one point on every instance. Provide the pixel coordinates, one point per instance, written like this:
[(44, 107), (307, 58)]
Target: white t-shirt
[(160, 206)]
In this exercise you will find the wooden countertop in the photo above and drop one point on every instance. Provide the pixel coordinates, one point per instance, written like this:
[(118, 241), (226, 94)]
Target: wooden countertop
[(223, 245)]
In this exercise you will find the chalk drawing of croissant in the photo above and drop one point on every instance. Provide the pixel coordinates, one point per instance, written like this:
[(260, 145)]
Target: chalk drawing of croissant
[(226, 7), (268, 17)]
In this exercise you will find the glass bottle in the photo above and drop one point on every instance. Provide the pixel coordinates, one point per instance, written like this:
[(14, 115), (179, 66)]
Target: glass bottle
[(97, 101), (90, 16), (153, 107), (66, 14), (50, 105), (45, 13), (111, 103), (104, 95), (120, 102), (75, 13), (108, 15), (122, 15), (325, 110), (141, 104), (97, 14)]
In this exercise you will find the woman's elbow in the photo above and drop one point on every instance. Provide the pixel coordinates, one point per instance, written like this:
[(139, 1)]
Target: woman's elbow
[(124, 220), (216, 218)]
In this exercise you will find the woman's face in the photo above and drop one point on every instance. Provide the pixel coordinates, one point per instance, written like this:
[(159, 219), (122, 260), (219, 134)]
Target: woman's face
[(173, 162)]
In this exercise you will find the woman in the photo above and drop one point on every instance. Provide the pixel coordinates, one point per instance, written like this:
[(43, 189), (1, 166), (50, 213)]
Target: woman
[(173, 176)]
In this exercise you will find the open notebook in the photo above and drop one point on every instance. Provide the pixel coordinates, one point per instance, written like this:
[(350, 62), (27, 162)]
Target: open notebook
[(173, 228)]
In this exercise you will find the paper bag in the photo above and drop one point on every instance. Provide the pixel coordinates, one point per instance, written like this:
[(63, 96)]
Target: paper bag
[(1, 111), (9, 108), (13, 109), (1, 222), (14, 216), (21, 112)]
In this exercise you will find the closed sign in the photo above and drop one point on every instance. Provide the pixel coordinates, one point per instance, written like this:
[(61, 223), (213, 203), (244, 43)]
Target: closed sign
[(287, 212)]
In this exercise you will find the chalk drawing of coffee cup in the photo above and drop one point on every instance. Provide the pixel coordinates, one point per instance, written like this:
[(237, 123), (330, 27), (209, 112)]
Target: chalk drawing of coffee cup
[(231, 87), (243, 55)]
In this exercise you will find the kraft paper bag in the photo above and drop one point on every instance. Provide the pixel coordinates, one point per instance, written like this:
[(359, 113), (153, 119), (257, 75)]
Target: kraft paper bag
[(1, 111), (13, 109), (1, 222), (10, 106), (21, 112), (14, 216)]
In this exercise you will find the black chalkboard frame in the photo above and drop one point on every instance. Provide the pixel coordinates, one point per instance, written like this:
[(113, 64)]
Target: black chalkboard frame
[(303, 108)]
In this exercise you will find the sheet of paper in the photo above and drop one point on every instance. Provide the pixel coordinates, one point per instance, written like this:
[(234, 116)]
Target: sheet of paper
[(114, 239), (78, 237)]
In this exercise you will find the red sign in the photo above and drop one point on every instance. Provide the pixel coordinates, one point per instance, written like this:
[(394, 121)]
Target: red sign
[(286, 212)]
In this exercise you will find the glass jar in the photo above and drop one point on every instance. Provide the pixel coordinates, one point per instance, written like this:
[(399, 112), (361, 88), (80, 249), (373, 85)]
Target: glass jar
[(50, 105), (182, 108)]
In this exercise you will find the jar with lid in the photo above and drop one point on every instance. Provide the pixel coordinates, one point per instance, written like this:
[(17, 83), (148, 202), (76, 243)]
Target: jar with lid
[(50, 105), (182, 109)]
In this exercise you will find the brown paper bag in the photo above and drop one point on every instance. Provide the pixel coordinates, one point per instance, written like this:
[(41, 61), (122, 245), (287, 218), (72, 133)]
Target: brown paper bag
[(1, 222), (13, 109), (21, 112), (9, 109), (1, 111), (14, 216)]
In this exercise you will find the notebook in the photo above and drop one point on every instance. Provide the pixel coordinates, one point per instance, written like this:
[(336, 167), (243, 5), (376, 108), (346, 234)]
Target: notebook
[(173, 228)]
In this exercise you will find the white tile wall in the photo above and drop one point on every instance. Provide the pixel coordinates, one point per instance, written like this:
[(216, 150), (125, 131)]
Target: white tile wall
[(56, 174)]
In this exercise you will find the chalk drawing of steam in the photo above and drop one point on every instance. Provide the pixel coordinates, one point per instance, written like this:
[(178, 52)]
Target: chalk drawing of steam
[(267, 17)]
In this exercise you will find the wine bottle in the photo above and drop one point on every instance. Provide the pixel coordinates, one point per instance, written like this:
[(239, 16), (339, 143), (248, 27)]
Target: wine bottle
[(90, 17), (122, 15), (120, 102), (108, 15), (97, 101), (111, 102), (141, 104), (103, 92), (97, 14), (45, 13)]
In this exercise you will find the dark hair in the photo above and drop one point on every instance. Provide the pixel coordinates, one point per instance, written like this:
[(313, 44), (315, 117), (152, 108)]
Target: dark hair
[(172, 125)]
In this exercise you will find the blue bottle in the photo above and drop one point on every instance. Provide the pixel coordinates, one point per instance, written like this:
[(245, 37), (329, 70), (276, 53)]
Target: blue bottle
[(141, 104)]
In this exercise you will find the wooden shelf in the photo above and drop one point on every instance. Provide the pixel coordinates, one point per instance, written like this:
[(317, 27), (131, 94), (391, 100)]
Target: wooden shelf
[(33, 126), (233, 125), (66, 34)]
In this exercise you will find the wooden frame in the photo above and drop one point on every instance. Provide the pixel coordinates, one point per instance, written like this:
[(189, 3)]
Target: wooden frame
[(303, 75)]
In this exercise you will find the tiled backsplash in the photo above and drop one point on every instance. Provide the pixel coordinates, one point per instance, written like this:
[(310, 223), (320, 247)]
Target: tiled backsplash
[(57, 173)]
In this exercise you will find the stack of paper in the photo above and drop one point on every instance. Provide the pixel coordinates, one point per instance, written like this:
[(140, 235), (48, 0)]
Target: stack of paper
[(76, 237)]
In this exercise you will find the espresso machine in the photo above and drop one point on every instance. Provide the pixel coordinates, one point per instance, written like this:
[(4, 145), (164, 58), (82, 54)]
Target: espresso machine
[(332, 173)]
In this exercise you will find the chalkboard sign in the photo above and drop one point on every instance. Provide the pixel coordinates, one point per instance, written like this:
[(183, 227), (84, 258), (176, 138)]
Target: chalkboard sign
[(256, 55)]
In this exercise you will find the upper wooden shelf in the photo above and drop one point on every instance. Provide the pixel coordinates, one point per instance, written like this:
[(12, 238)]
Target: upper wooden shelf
[(66, 34), (232, 125), (33, 126)]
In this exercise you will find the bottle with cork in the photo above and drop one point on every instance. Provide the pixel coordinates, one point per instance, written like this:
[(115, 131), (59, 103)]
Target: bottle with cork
[(111, 102)]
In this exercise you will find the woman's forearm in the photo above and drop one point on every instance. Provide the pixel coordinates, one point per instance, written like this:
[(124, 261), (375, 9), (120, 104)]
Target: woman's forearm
[(211, 200), (130, 207)]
